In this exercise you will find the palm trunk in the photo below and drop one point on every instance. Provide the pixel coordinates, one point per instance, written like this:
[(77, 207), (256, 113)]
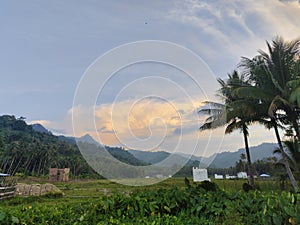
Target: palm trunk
[(39, 168), (16, 168), (250, 167), (284, 158), (296, 127), (11, 165), (27, 164), (4, 165)]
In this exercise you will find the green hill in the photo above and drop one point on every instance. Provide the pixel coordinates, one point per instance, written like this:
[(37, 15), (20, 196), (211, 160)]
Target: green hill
[(26, 150), (228, 159)]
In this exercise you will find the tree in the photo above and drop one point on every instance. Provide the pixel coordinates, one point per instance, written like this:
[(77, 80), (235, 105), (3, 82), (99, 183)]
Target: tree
[(236, 113), (274, 75), (243, 158)]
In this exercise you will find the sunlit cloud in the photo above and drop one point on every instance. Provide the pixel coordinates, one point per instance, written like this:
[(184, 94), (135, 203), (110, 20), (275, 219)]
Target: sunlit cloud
[(42, 122), (147, 119)]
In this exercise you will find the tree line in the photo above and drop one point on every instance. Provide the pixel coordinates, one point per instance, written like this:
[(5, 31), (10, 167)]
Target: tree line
[(28, 152)]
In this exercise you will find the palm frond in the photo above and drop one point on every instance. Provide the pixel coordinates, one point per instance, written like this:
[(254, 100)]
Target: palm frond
[(213, 104), (277, 103), (295, 97), (234, 125), (252, 92), (210, 111)]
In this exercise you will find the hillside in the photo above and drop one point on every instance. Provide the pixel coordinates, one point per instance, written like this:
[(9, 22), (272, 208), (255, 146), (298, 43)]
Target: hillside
[(30, 151), (159, 157), (39, 128), (228, 159), (150, 157), (218, 160)]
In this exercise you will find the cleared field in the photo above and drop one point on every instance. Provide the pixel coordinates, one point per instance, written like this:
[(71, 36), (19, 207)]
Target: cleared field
[(96, 188)]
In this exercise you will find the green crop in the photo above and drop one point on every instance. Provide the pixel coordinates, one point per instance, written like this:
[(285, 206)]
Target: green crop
[(192, 205)]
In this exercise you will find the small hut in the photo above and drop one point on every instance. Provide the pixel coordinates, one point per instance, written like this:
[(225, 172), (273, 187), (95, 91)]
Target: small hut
[(200, 174), (61, 175)]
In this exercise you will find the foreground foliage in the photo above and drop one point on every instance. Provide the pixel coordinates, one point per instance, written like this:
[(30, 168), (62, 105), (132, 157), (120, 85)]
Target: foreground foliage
[(193, 205)]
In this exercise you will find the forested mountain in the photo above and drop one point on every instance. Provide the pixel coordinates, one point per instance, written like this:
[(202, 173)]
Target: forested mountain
[(25, 150), (228, 159), (150, 157), (158, 157), (218, 160), (30, 151), (39, 128)]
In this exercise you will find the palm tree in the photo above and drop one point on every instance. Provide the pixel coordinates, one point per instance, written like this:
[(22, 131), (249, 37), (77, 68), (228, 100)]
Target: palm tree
[(236, 113), (243, 157), (272, 74)]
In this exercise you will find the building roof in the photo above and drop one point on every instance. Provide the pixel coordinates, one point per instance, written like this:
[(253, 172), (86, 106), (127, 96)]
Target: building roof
[(4, 174)]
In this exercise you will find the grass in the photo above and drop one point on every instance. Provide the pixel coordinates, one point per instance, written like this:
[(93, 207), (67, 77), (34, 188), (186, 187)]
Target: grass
[(81, 190), (96, 188)]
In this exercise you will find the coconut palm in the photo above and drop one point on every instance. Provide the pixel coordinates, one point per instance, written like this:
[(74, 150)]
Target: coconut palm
[(281, 64), (236, 113), (273, 75)]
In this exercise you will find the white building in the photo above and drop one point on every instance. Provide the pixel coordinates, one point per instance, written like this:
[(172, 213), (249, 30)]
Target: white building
[(242, 175), (217, 176), (227, 176), (200, 174)]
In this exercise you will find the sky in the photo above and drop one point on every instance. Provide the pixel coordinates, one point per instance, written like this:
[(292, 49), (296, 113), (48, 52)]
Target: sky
[(49, 48)]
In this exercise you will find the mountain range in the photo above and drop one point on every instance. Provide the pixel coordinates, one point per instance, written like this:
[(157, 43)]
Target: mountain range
[(217, 160), (33, 149)]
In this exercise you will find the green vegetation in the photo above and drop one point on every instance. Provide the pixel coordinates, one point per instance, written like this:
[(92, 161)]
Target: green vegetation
[(161, 204), (26, 152)]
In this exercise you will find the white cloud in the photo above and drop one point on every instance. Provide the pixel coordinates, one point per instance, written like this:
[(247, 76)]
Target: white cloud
[(219, 31), (223, 31)]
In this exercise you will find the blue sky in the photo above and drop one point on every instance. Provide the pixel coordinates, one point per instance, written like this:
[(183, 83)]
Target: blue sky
[(46, 46)]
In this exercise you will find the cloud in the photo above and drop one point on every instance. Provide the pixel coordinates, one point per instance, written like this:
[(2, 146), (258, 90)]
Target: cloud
[(223, 31), (147, 123), (143, 118), (219, 31), (42, 122)]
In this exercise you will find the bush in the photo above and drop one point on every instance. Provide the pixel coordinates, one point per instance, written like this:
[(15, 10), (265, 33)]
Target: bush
[(53, 194), (247, 187), (208, 186)]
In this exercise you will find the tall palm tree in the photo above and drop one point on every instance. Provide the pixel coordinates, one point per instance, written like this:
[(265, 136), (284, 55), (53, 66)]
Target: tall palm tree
[(271, 74), (236, 113)]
